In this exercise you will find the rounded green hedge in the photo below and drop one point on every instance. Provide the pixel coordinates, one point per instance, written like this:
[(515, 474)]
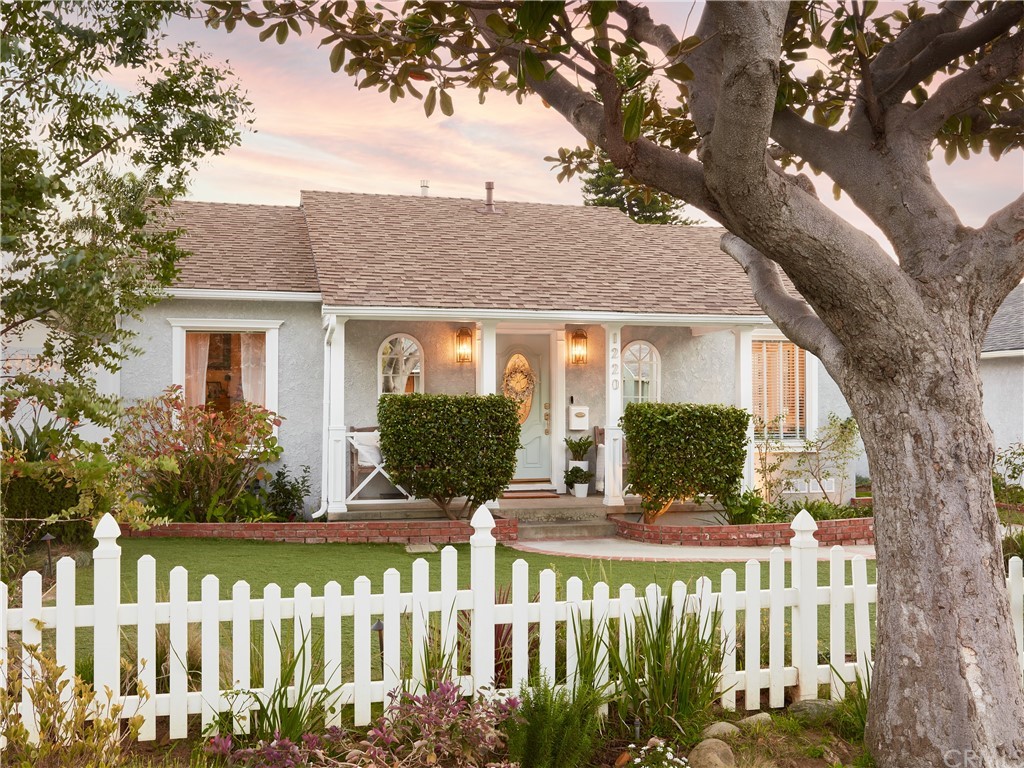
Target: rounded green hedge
[(683, 450), (443, 447), (27, 497)]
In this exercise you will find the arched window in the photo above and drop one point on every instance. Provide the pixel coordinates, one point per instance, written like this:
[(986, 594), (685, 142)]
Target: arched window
[(399, 366), (641, 373)]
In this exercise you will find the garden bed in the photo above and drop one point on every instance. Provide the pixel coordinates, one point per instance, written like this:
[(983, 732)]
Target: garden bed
[(854, 530), (429, 531)]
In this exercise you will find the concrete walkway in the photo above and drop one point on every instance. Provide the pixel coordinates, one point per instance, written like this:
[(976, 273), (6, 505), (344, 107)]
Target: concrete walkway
[(613, 548)]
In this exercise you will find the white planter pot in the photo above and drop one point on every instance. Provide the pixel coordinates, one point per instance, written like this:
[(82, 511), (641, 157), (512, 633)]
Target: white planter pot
[(585, 465), (580, 490)]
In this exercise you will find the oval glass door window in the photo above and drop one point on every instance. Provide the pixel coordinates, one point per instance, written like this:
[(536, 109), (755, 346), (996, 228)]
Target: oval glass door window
[(519, 383)]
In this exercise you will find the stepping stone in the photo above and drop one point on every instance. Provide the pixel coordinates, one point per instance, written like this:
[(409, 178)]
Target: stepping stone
[(421, 549)]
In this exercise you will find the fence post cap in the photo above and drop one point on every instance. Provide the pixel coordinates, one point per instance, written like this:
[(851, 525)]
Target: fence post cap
[(803, 526), (106, 534), (483, 524)]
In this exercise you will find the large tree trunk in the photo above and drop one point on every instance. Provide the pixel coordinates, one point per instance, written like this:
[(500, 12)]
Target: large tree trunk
[(946, 686)]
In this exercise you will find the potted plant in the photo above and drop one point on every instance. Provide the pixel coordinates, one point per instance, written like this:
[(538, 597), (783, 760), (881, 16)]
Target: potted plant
[(578, 449), (578, 479)]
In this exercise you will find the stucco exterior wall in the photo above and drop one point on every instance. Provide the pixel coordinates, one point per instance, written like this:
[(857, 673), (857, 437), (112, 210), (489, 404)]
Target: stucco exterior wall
[(694, 369), (1002, 380), (441, 374), (300, 368)]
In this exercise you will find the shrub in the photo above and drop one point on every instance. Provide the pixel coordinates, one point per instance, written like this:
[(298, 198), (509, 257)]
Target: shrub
[(194, 463), (285, 496), (442, 447), (683, 450), (85, 730), (669, 675), (579, 447), (828, 455), (554, 729), (55, 482), (439, 727)]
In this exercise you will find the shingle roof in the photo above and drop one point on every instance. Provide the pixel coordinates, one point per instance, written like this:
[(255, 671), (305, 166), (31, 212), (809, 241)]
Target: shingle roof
[(1006, 331), (386, 250), (244, 247)]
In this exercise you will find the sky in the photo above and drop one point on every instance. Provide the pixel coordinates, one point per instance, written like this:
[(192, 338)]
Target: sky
[(315, 130)]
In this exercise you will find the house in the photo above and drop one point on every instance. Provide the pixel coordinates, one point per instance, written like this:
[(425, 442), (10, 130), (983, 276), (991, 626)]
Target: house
[(1002, 371), (315, 310)]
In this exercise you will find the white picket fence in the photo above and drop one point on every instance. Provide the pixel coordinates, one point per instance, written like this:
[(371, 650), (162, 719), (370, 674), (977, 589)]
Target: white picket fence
[(410, 618)]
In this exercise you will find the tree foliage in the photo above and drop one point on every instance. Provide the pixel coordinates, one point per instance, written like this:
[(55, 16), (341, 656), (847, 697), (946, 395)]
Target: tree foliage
[(102, 125), (864, 93)]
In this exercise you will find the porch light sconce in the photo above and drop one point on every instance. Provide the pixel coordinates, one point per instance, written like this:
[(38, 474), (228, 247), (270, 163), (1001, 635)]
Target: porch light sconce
[(578, 347), (463, 345)]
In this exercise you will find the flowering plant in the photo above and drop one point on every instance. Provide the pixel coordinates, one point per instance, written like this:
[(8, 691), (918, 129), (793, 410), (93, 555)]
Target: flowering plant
[(439, 727), (196, 463), (654, 754)]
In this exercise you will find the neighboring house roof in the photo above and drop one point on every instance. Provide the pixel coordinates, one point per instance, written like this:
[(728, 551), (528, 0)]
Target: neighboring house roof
[(243, 247), (1006, 331), (389, 250)]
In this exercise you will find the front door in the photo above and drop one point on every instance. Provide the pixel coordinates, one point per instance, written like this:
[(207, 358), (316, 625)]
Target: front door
[(523, 376)]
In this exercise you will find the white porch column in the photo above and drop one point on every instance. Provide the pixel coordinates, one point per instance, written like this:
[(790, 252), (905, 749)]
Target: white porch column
[(487, 360), (613, 443), (557, 410), (744, 372), (337, 470)]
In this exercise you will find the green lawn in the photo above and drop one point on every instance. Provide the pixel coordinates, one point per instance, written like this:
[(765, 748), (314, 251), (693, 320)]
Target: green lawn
[(260, 563)]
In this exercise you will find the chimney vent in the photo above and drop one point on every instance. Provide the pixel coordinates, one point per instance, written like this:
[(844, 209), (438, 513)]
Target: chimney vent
[(489, 206), (424, 188)]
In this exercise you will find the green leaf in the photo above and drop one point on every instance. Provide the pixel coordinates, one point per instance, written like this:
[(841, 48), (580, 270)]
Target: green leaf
[(633, 117), (431, 101), (499, 25), (599, 12), (337, 56), (447, 108), (679, 71), (281, 34), (533, 65)]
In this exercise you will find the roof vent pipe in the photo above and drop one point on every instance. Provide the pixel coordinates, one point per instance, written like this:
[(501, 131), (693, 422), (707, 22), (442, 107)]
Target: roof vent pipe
[(489, 206), (424, 188)]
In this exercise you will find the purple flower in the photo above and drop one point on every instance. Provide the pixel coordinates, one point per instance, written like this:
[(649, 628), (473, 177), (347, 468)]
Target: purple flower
[(219, 746)]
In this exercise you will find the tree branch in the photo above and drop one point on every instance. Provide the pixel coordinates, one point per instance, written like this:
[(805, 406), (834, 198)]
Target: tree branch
[(793, 316), (959, 93), (944, 42)]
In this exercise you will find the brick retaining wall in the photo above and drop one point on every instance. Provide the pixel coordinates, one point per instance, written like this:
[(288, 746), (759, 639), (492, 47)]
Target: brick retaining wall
[(354, 532), (854, 530)]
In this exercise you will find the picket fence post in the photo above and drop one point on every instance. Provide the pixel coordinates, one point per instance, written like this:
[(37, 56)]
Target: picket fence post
[(107, 601), (482, 546), (804, 554)]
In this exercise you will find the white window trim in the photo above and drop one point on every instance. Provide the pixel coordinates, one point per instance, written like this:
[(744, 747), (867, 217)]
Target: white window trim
[(810, 388), (180, 325), (656, 383), (423, 367)]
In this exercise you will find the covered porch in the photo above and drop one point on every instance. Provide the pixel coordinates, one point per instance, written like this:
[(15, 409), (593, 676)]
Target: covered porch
[(573, 372)]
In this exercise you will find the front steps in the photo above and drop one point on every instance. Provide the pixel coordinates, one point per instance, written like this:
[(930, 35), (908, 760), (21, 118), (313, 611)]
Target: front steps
[(538, 530)]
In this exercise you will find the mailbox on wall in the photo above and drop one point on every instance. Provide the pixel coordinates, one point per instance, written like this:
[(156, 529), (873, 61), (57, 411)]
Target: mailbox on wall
[(579, 418)]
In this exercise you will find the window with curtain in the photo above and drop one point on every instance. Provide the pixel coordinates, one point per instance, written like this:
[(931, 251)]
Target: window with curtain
[(780, 390), (222, 369), (400, 366), (641, 373)]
